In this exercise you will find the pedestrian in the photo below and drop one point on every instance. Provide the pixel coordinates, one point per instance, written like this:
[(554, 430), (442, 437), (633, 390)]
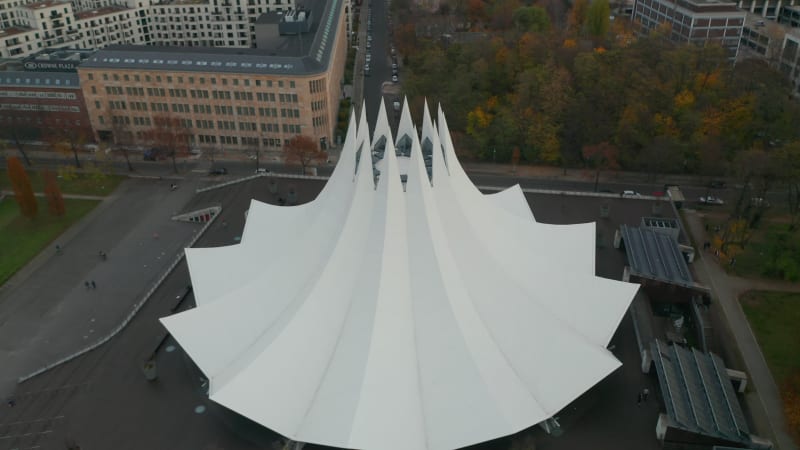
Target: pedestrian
[(94, 286), (103, 255), (86, 283), (12, 403), (645, 393), (224, 224), (639, 399), (733, 262), (58, 249)]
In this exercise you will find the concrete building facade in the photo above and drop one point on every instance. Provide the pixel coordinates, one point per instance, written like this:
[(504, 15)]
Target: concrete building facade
[(694, 21), (223, 98), (44, 106)]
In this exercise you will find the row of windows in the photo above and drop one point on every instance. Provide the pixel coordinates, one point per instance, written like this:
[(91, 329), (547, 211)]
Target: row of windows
[(192, 79), (197, 93), (233, 140), (209, 124)]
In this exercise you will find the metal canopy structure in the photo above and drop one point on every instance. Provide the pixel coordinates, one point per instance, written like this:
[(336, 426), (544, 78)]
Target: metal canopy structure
[(698, 394), (655, 256), (391, 315)]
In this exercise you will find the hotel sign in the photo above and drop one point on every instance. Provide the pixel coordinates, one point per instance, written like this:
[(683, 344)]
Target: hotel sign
[(51, 66)]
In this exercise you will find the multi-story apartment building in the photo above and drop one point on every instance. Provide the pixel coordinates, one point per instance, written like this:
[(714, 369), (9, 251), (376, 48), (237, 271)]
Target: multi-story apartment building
[(695, 21), (225, 98), (766, 8), (27, 27), (777, 43), (41, 98)]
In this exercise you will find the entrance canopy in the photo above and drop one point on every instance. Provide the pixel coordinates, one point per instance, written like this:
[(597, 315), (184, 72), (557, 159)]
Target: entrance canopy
[(401, 314)]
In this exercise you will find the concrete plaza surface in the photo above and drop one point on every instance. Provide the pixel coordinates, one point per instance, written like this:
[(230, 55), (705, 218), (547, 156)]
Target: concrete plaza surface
[(46, 310)]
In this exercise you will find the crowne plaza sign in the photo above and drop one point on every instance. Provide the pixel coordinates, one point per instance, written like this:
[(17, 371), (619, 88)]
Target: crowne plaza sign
[(51, 66)]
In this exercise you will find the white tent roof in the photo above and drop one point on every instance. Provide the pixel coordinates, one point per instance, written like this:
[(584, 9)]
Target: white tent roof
[(379, 317)]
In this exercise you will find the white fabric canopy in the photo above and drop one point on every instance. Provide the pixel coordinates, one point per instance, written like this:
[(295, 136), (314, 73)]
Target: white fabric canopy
[(384, 316)]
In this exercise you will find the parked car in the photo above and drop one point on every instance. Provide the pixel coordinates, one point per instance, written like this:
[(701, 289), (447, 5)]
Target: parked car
[(395, 79), (629, 193), (369, 57), (262, 170), (711, 200), (218, 171)]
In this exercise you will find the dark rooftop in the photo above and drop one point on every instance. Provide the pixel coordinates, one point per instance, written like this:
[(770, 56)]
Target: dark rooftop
[(294, 55), (56, 80), (698, 393), (655, 256)]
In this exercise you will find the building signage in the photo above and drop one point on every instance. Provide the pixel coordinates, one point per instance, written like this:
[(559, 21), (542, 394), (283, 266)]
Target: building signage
[(51, 66)]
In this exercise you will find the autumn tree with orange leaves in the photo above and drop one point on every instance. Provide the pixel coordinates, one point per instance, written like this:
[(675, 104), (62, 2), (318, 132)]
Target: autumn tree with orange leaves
[(303, 151), (55, 201), (21, 183)]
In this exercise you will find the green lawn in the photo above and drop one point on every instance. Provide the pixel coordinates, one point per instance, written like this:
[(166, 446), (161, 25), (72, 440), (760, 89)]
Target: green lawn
[(774, 317), (21, 239), (92, 183), (772, 252)]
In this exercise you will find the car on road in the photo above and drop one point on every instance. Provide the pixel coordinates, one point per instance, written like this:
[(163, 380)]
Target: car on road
[(711, 200), (262, 170), (218, 171), (629, 193), (369, 46), (369, 57), (395, 79)]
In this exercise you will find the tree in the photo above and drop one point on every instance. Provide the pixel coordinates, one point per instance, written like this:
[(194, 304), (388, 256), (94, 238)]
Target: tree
[(576, 18), (121, 136), (600, 156), (55, 201), (597, 19), (67, 139), (21, 184), (170, 137), (303, 150), (531, 18), (16, 131)]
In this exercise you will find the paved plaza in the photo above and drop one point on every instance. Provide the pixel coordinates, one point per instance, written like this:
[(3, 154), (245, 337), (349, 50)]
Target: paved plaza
[(102, 399)]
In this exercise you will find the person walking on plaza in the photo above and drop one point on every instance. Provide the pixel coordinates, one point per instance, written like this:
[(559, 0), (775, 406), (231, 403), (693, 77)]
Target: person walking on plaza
[(86, 283), (639, 399), (94, 286), (645, 393)]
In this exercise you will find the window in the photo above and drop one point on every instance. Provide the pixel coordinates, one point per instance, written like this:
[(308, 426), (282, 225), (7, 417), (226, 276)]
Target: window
[(91, 76), (291, 84)]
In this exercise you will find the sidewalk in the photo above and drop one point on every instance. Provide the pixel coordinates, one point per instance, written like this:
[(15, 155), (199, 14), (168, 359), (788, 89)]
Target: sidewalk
[(765, 402), (46, 310), (584, 175)]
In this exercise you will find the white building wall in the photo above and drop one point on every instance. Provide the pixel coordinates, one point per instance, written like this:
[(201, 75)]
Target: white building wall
[(220, 23)]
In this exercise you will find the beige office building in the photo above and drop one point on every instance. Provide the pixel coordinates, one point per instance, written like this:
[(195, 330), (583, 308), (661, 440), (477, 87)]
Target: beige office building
[(237, 99)]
